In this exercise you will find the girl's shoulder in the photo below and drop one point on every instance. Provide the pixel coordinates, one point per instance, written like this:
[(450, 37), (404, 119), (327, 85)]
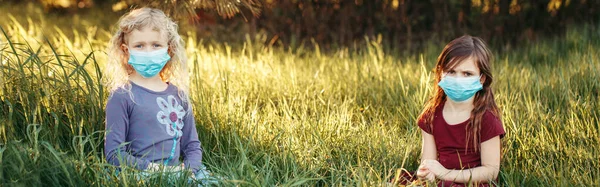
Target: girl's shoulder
[(119, 98), (120, 92), (491, 126), (123, 93), (492, 117), (428, 118)]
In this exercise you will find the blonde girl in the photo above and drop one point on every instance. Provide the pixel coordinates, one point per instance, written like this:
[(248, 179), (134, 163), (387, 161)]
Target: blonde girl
[(149, 120)]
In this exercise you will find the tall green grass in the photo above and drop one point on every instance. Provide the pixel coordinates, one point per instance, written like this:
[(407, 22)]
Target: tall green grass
[(274, 116)]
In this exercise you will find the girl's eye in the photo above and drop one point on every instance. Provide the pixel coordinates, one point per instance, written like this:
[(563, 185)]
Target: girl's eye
[(467, 74), (156, 45), (451, 72), (138, 46)]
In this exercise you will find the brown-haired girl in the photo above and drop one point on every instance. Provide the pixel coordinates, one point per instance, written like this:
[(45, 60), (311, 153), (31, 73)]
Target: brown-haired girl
[(461, 126)]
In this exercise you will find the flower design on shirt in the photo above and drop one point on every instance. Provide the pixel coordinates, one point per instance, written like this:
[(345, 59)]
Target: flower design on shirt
[(170, 112)]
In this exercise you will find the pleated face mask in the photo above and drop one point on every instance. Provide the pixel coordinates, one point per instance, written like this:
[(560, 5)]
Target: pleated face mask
[(460, 89), (148, 64)]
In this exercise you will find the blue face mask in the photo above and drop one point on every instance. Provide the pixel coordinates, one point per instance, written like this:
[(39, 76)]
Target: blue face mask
[(460, 89), (148, 64)]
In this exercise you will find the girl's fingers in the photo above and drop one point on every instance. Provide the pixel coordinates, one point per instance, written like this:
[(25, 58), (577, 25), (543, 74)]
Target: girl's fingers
[(430, 176), (422, 174), (423, 167)]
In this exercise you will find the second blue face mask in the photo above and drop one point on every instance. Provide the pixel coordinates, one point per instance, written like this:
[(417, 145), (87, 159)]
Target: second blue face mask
[(460, 89), (148, 64)]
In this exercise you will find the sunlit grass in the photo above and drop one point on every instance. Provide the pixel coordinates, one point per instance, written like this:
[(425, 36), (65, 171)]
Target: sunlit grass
[(272, 116)]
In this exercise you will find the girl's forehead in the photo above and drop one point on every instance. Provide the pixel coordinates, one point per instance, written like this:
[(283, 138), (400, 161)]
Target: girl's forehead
[(146, 33), (466, 64)]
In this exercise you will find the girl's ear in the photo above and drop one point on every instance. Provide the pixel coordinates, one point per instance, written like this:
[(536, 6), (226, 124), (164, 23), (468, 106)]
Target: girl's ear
[(124, 49), (482, 79), (170, 51)]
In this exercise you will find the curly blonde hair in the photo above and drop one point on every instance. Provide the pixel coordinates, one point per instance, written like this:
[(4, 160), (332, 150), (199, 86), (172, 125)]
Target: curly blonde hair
[(118, 70)]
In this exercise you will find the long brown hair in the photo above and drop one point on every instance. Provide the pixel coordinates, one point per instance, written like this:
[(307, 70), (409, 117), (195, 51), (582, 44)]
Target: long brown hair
[(455, 52)]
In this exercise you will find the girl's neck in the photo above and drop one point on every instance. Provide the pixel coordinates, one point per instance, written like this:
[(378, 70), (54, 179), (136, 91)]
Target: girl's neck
[(153, 83), (452, 106)]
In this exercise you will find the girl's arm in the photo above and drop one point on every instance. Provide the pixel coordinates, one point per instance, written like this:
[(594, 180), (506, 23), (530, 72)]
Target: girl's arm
[(428, 152), (191, 149), (117, 126), (488, 171)]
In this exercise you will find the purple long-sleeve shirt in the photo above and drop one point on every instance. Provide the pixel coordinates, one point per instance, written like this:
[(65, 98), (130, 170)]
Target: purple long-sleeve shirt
[(140, 131)]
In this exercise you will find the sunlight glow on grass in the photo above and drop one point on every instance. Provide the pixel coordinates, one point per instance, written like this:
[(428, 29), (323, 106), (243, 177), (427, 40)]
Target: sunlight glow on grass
[(273, 116)]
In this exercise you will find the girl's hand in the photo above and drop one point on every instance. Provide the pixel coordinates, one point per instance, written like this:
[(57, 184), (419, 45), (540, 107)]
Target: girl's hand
[(174, 168), (435, 168), (424, 173), (193, 175), (152, 167)]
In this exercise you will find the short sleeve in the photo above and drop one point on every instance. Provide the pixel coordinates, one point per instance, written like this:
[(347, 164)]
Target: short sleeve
[(423, 125), (491, 126)]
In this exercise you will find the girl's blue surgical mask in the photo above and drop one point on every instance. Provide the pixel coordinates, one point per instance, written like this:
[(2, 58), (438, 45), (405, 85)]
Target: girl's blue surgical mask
[(148, 64), (460, 89)]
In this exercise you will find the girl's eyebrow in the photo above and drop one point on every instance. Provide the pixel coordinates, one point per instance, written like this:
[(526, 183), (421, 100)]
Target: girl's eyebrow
[(143, 42), (139, 42), (462, 70), (466, 71)]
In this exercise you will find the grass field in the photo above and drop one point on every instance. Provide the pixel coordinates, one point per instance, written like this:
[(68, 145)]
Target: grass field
[(273, 116)]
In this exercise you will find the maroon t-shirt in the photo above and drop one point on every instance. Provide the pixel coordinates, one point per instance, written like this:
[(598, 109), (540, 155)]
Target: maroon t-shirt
[(451, 140)]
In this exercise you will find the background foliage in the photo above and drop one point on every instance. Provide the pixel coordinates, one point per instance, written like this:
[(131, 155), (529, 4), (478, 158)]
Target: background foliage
[(292, 111)]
